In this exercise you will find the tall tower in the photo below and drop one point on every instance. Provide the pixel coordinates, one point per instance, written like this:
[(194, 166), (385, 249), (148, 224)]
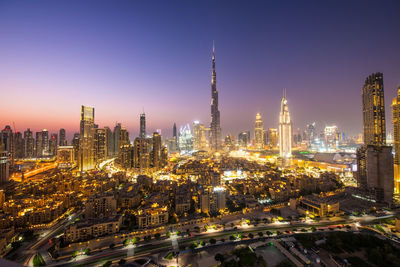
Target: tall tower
[(373, 107), (396, 137), (62, 140), (215, 133), (258, 133), (285, 129), (86, 139), (142, 125)]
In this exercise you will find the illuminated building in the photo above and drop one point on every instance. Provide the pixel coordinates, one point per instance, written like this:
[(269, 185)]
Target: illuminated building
[(28, 144), (375, 172), (152, 216), (75, 144), (244, 139), (110, 141), (185, 139), (53, 144), (396, 138), (331, 136), (125, 157), (38, 145), (215, 127), (156, 153), (141, 156), (8, 143), (116, 137), (18, 145), (175, 137), (258, 133), (45, 143), (86, 139), (311, 134), (62, 138), (374, 110), (142, 125), (65, 156), (4, 166), (100, 144), (124, 137), (273, 137), (199, 136), (229, 143), (100, 206), (212, 199), (285, 129)]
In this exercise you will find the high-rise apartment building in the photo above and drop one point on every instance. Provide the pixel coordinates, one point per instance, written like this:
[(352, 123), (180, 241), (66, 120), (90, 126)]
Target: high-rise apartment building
[(110, 142), (215, 127), (375, 173), (75, 145), (396, 140), (117, 136), (258, 133), (142, 125), (185, 139), (141, 157), (62, 138), (86, 139), (285, 129), (273, 137), (7, 139), (39, 145), (53, 143), (45, 143), (374, 110), (4, 166), (100, 144), (28, 144), (156, 153)]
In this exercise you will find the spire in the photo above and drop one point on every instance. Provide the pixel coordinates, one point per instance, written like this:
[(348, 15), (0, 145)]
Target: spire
[(213, 51), (284, 93)]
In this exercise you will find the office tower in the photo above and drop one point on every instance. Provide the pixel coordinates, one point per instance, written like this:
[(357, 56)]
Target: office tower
[(185, 139), (244, 139), (199, 136), (28, 144), (4, 165), (45, 143), (110, 142), (53, 144), (174, 131), (374, 110), (116, 134), (63, 139), (142, 125), (100, 144), (215, 127), (86, 139), (65, 157), (311, 132), (156, 153), (396, 140), (141, 156), (285, 129), (75, 145), (164, 156), (258, 133), (375, 172), (273, 137), (126, 156)]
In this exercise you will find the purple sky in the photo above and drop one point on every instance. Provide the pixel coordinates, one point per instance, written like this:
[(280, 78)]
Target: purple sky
[(125, 56)]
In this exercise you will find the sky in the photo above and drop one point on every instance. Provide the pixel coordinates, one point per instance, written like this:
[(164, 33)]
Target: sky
[(126, 57)]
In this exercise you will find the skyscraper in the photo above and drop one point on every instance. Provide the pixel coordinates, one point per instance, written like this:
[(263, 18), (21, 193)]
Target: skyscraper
[(215, 133), (45, 143), (28, 144), (100, 144), (53, 144), (62, 137), (110, 142), (258, 133), (374, 110), (199, 136), (396, 137), (375, 174), (244, 139), (285, 129), (273, 137), (185, 139), (116, 136), (156, 153), (4, 165), (39, 145), (86, 139), (142, 125)]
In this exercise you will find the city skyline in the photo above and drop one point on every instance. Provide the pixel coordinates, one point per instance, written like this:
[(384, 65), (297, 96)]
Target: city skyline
[(85, 69)]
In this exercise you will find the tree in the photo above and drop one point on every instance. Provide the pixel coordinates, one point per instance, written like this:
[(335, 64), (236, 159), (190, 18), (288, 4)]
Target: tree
[(125, 242), (168, 234), (213, 241), (157, 235), (122, 262), (231, 237), (107, 264), (38, 260), (222, 240), (251, 235), (74, 254), (219, 257), (112, 245), (260, 234), (202, 243), (87, 251), (269, 233)]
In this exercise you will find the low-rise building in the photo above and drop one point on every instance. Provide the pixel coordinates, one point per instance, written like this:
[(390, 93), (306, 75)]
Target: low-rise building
[(151, 217), (318, 205)]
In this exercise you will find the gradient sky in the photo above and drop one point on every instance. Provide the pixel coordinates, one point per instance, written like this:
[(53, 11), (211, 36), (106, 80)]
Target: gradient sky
[(125, 56)]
